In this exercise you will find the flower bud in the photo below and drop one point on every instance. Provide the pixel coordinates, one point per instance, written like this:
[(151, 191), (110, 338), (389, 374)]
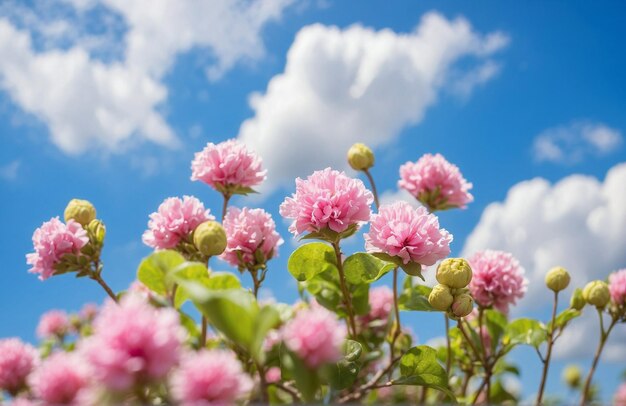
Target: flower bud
[(557, 279), (571, 376), (597, 293), (81, 211), (454, 272), (97, 231), (210, 238), (360, 157), (463, 305), (440, 298), (577, 301)]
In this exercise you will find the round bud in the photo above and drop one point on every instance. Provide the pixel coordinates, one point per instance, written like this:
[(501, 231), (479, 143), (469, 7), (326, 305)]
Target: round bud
[(463, 305), (597, 293), (360, 157), (454, 272), (577, 301), (557, 279), (440, 298), (97, 231), (571, 376), (81, 211), (210, 238)]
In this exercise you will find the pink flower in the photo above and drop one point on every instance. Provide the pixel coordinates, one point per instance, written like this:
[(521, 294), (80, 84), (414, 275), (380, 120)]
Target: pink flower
[(60, 378), (209, 377), (327, 199), (619, 399), (249, 230), (132, 342), (435, 182), (498, 279), (617, 287), (410, 234), (381, 304), (174, 220), (53, 323), (53, 240), (227, 166), (273, 375), (315, 336), (89, 311), (17, 360)]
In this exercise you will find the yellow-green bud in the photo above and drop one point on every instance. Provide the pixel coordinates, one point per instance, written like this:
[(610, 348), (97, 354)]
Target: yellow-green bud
[(97, 231), (210, 238), (360, 157), (454, 272), (440, 298), (81, 211), (557, 279), (597, 293), (577, 301), (463, 305), (571, 376)]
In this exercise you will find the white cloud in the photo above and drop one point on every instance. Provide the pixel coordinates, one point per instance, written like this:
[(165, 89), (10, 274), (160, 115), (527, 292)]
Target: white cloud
[(89, 101), (340, 86), (574, 142), (390, 196), (10, 171), (576, 223)]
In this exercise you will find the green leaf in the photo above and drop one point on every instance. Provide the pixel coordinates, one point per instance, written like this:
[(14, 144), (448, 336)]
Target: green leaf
[(223, 281), (307, 380), (413, 269), (342, 374), (310, 260), (365, 268), (496, 323), (153, 270), (419, 366), (352, 350), (415, 298), (563, 319), (360, 298), (526, 332), (499, 394), (267, 318)]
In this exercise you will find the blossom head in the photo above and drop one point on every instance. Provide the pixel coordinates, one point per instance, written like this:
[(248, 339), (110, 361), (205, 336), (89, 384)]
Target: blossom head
[(252, 236), (81, 211), (462, 305), (209, 377), (617, 287), (327, 200), (498, 279), (315, 336), (228, 167), (557, 279), (435, 182), (456, 273), (360, 157), (440, 298), (210, 238), (619, 399), (175, 220), (60, 378), (597, 293), (133, 342), (412, 235), (17, 361), (54, 323), (381, 304), (51, 242)]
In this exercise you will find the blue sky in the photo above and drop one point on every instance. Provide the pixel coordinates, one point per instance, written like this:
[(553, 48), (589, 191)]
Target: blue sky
[(520, 91)]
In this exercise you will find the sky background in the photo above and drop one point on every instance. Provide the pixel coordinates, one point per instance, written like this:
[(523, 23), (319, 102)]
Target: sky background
[(108, 100)]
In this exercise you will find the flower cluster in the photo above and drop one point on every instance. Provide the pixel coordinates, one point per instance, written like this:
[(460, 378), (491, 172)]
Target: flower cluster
[(52, 241), (53, 323), (17, 361), (227, 167), (435, 182), (175, 220), (413, 235), (617, 287), (498, 279), (327, 199)]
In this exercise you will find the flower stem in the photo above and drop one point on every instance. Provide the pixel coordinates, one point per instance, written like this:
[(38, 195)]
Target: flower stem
[(374, 192), (448, 346), (96, 277), (227, 197), (486, 363), (546, 361), (604, 335), (347, 300), (396, 310)]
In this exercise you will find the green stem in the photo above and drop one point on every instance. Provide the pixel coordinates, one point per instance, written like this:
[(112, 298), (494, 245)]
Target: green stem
[(396, 310), (604, 335), (96, 277), (486, 363), (374, 192), (347, 300), (225, 205), (448, 346), (546, 361)]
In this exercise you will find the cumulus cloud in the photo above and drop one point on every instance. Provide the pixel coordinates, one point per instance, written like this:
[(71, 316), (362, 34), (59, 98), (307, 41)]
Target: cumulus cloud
[(88, 99), (576, 141), (340, 86), (390, 196), (576, 223)]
